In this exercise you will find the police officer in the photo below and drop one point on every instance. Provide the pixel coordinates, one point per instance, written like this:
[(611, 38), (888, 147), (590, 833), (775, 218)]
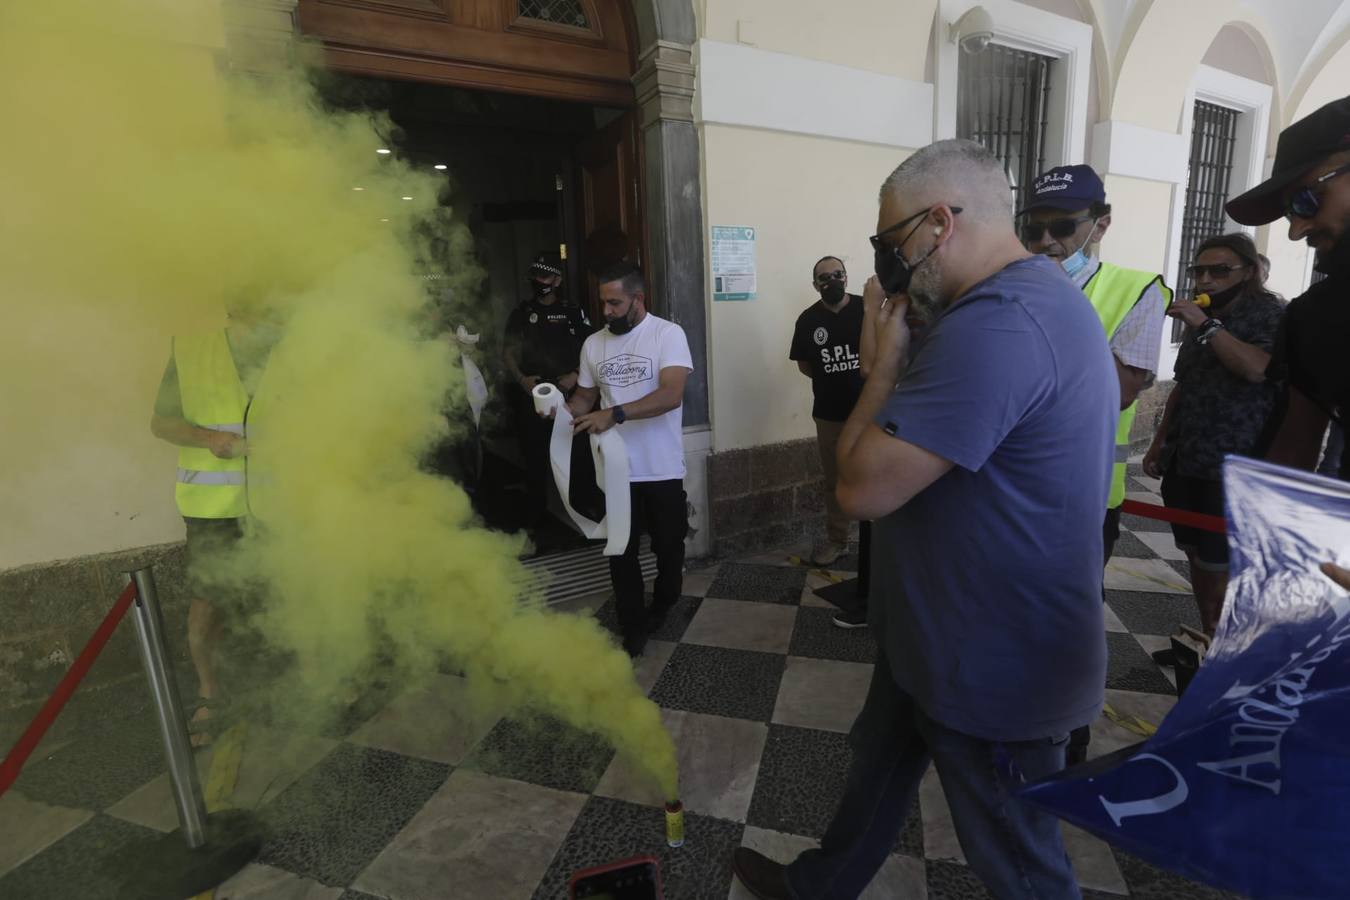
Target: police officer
[(543, 344)]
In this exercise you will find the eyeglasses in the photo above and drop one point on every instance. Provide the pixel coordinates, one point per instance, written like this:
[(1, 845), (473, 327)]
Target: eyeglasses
[(1304, 202), (836, 275), (879, 247), (1058, 228), (1218, 272)]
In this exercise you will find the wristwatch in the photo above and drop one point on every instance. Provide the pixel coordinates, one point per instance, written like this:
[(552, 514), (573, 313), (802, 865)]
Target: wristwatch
[(619, 417), (1208, 329)]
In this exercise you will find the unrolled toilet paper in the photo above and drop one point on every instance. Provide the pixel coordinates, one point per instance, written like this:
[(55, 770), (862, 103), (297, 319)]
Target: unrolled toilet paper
[(611, 472)]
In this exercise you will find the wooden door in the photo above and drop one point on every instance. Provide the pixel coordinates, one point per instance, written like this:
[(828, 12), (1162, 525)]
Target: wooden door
[(609, 208)]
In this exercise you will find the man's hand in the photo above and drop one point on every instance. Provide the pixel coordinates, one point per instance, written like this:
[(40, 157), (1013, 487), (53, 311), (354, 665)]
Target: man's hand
[(1152, 464), (597, 422), (1337, 574), (224, 445), (1188, 312), (568, 381), (873, 294), (892, 335), (528, 382)]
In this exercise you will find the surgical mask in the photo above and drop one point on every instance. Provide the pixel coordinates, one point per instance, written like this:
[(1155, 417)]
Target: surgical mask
[(621, 324), (832, 292), (1074, 264), (1078, 261), (540, 288)]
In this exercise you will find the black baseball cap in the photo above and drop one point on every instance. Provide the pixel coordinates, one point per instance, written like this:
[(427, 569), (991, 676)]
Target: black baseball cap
[(1066, 187), (1301, 146)]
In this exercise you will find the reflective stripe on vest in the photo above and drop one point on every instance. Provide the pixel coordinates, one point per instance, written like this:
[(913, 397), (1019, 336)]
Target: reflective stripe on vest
[(214, 398), (196, 476), (1114, 291)]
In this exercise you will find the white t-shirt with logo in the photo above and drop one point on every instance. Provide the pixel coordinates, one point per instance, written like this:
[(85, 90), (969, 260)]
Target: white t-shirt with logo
[(627, 368)]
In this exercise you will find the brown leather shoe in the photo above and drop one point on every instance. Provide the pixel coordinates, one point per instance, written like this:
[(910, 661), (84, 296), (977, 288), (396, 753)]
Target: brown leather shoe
[(763, 877)]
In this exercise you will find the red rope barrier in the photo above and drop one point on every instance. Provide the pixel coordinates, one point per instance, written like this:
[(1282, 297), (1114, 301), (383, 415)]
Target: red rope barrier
[(32, 736), (1176, 516)]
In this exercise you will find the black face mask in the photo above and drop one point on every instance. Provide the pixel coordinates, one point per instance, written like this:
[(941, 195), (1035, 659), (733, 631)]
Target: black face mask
[(893, 270), (832, 292), (621, 324), (540, 288), (1220, 299)]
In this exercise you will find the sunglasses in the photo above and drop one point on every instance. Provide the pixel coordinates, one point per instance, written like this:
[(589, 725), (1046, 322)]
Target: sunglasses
[(879, 247), (1217, 272), (836, 275), (1058, 228), (1304, 202)]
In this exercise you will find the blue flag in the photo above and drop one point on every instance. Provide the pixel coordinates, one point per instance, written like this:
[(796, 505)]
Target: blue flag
[(1246, 784)]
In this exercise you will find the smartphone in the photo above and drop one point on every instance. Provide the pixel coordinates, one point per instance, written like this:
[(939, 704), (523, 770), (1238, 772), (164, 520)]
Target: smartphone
[(638, 878)]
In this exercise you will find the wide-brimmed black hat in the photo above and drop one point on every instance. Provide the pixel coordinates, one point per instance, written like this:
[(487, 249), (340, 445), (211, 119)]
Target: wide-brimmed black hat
[(1302, 146)]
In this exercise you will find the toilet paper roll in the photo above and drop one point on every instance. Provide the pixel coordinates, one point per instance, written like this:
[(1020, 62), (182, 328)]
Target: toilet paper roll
[(611, 472)]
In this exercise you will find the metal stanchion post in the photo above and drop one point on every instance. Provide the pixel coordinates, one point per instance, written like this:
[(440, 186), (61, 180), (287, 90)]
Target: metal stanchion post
[(187, 791), (211, 847)]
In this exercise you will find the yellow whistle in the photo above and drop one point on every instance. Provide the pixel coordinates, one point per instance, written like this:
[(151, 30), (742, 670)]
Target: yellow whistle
[(1202, 301)]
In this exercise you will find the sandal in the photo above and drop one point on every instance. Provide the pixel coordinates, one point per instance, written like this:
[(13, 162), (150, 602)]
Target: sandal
[(202, 729)]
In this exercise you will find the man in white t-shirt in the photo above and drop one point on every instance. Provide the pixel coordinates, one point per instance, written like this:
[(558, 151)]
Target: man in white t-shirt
[(637, 367)]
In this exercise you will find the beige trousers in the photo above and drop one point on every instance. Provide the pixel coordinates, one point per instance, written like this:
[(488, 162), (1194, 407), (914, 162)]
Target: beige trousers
[(836, 523)]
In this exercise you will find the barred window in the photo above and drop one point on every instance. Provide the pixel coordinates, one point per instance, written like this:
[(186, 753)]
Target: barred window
[(1211, 166), (1003, 103), (559, 12)]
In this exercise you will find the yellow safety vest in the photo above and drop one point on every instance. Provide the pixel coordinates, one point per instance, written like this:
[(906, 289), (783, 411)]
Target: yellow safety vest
[(1114, 291), (213, 397)]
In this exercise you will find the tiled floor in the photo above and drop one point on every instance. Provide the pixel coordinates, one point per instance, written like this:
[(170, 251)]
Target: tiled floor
[(433, 796)]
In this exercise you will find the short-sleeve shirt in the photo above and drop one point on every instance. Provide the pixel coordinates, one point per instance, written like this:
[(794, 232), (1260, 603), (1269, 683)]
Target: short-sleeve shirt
[(547, 338), (1218, 412), (627, 367), (987, 584), (1137, 341), (831, 342), (1310, 350)]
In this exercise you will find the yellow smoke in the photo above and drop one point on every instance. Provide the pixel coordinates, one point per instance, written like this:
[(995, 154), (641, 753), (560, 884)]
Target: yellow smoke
[(145, 190)]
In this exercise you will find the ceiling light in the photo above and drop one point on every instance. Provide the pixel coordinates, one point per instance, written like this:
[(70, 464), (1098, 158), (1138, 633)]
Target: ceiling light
[(384, 220), (407, 198), (384, 151), (358, 189), (441, 166)]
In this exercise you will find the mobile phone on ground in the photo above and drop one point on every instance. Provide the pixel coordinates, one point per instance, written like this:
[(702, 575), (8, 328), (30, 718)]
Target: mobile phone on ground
[(638, 878)]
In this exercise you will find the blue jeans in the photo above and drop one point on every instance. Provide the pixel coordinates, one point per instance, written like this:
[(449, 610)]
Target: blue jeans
[(1014, 847)]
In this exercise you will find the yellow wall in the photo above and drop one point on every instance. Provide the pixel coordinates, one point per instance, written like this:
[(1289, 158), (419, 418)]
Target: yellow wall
[(878, 35), (807, 197), (1140, 211)]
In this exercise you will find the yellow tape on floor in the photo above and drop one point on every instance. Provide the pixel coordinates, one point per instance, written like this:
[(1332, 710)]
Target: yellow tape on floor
[(1130, 723), (227, 753)]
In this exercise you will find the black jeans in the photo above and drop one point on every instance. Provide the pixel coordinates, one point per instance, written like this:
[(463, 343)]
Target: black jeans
[(533, 432), (659, 509)]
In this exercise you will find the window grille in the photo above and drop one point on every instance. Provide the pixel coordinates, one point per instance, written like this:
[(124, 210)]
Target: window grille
[(559, 12), (1003, 102), (1211, 166)]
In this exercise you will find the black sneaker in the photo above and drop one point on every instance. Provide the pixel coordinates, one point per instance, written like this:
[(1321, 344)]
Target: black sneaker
[(851, 618), (656, 616), (1166, 657)]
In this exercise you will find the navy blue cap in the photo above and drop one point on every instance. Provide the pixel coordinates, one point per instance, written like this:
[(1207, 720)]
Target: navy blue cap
[(1066, 187)]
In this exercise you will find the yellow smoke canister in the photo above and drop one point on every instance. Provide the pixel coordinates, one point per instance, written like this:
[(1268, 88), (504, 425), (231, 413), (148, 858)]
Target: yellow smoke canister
[(675, 824), (1202, 301)]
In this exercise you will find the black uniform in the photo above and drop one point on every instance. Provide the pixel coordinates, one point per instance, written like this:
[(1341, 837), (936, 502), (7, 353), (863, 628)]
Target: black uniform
[(546, 339)]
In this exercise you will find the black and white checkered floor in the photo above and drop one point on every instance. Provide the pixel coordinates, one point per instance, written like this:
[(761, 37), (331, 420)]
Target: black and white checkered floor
[(428, 796)]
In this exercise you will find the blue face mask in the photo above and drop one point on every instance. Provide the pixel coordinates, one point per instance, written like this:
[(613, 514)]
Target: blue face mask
[(1075, 264)]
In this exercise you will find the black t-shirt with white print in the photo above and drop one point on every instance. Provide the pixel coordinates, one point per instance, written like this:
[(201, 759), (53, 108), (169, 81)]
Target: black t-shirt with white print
[(831, 343)]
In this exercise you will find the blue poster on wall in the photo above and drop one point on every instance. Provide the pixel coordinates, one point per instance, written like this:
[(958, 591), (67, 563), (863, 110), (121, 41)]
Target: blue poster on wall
[(1246, 784)]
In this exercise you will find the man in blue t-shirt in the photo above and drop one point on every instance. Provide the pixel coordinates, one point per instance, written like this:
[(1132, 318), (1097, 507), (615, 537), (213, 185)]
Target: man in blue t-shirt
[(983, 453)]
